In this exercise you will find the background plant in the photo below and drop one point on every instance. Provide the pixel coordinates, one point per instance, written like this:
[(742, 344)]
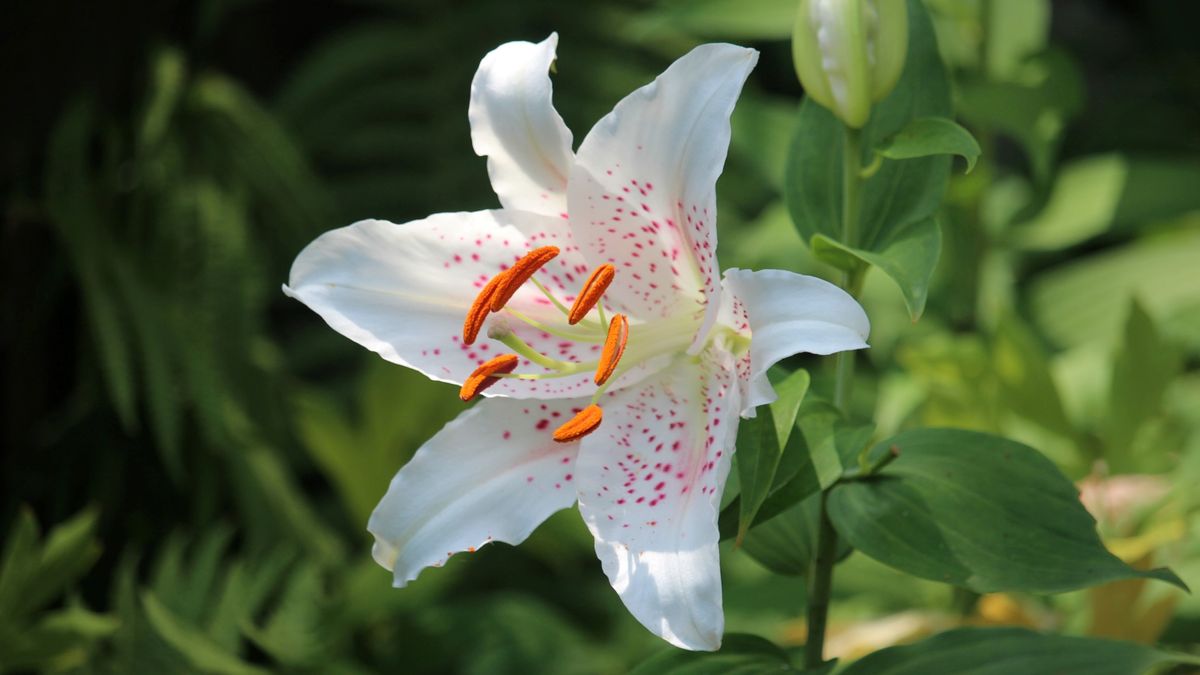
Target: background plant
[(201, 455)]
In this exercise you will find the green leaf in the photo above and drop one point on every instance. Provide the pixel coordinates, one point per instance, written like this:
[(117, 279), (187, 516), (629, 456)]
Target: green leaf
[(801, 469), (162, 398), (1109, 192), (518, 633), (1000, 651), (787, 543), (168, 76), (1032, 108), (783, 535), (726, 19), (1144, 367), (760, 445), (19, 562), (790, 391), (977, 511), (34, 573), (270, 487), (926, 136), (833, 442), (896, 200), (1016, 29), (739, 654), (1023, 373), (293, 633), (59, 637), (908, 257), (1086, 300), (74, 204), (198, 649), (758, 455)]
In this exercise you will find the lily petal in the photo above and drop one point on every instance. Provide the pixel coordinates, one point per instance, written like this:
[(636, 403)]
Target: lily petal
[(642, 191), (514, 123), (650, 482), (790, 313), (493, 474), (402, 291)]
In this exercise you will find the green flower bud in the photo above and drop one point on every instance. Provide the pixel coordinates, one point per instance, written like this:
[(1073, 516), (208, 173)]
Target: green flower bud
[(849, 53)]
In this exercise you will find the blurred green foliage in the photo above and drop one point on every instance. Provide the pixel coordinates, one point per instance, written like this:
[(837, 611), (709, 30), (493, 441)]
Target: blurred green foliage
[(203, 453)]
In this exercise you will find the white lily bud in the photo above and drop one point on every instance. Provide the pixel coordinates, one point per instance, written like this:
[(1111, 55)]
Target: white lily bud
[(850, 53)]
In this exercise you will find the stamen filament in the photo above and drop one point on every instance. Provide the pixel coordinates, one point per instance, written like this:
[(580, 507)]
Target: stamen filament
[(613, 378), (582, 424), (593, 289), (549, 376), (519, 346), (545, 291), (520, 272), (614, 348), (557, 332), (486, 375)]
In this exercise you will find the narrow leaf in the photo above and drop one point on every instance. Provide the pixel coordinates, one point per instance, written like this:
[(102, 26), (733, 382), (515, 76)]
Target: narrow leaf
[(761, 443)]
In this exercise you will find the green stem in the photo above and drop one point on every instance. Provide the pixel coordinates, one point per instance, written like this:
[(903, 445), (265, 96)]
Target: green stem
[(820, 581), (851, 280), (820, 577)]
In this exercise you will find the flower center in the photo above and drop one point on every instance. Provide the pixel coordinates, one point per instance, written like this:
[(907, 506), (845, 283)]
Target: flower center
[(625, 345)]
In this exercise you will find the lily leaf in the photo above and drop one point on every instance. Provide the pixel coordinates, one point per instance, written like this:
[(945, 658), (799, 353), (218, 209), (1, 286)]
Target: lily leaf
[(984, 651), (908, 258), (760, 444), (926, 136), (977, 511)]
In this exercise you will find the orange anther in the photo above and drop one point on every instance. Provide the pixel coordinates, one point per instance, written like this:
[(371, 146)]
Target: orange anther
[(485, 375), (582, 424), (592, 290), (614, 347), (480, 308), (519, 273)]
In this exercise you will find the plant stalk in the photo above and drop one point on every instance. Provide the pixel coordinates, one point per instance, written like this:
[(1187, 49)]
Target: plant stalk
[(820, 585), (820, 578), (851, 279)]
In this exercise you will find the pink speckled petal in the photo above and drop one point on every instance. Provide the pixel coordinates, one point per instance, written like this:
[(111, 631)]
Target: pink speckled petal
[(402, 291), (650, 483), (789, 313), (514, 123), (642, 189), (492, 474)]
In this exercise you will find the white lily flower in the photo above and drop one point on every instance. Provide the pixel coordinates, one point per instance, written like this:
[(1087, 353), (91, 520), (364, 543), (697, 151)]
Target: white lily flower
[(632, 412)]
